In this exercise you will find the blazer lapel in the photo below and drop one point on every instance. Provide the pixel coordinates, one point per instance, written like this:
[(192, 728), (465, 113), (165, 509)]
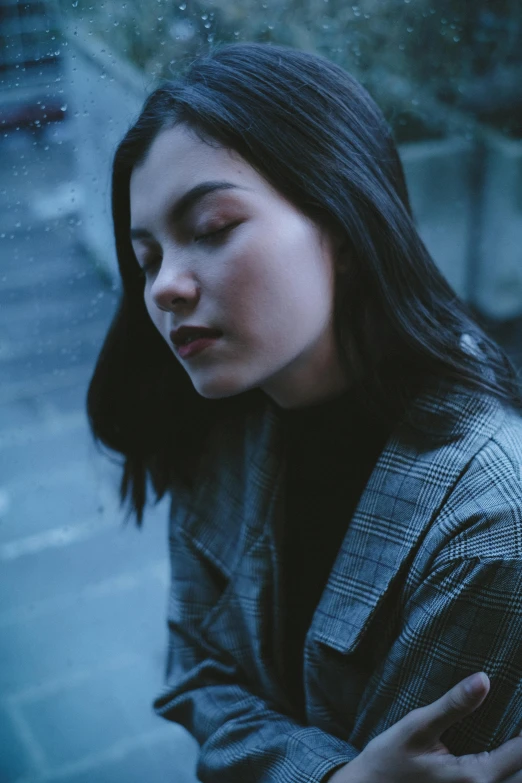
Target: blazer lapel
[(413, 475), (233, 502)]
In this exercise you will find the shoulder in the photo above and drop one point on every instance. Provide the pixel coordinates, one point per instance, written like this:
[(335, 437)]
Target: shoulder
[(481, 514), (506, 442)]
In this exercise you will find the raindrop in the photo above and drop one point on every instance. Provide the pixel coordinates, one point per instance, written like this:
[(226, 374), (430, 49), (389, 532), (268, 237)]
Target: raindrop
[(75, 4), (182, 31), (456, 38), (409, 29), (64, 107), (182, 6)]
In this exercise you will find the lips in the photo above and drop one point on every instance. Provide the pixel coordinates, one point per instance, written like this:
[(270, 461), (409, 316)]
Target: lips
[(188, 334)]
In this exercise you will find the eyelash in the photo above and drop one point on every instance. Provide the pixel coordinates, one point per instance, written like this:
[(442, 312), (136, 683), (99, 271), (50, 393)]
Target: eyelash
[(209, 237), (214, 236), (148, 266)]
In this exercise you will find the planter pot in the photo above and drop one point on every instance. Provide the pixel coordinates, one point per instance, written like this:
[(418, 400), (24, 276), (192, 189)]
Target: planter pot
[(438, 178), (499, 268), (106, 95)]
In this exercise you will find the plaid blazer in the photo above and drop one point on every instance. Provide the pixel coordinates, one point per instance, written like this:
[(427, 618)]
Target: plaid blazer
[(426, 589)]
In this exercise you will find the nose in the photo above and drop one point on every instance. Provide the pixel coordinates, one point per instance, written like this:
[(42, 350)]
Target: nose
[(174, 288)]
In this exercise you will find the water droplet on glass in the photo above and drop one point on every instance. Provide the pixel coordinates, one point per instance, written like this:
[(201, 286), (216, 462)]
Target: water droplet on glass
[(182, 7)]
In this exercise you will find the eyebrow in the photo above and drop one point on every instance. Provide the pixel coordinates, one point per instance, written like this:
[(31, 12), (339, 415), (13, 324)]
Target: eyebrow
[(186, 202)]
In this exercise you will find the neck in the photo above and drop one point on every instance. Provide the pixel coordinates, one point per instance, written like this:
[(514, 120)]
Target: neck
[(302, 384)]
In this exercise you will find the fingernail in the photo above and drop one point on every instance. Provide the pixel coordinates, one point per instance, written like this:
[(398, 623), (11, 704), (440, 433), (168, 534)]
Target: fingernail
[(475, 684)]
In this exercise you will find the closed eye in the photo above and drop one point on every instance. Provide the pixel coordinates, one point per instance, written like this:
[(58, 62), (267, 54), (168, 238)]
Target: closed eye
[(149, 265), (214, 237)]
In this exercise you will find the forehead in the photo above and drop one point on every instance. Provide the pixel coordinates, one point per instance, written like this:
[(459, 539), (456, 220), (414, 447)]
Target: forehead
[(177, 161)]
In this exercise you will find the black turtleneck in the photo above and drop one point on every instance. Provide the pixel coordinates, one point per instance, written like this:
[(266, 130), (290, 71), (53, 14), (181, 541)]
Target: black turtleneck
[(331, 449)]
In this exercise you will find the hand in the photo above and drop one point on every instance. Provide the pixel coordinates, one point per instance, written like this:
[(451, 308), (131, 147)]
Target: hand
[(410, 751)]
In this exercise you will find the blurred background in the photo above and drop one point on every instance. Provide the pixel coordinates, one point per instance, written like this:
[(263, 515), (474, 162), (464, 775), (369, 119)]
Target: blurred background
[(82, 594)]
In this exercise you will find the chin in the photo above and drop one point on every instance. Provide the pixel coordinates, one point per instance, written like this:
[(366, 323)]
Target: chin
[(219, 388)]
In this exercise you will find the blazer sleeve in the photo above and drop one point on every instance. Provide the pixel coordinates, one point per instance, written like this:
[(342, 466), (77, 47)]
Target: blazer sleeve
[(465, 616), (242, 738)]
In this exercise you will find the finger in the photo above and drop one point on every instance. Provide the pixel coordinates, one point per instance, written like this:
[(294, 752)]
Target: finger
[(461, 700), (516, 778), (505, 762)]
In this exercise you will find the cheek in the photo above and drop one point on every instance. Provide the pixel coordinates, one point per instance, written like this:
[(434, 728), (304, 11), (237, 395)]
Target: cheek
[(278, 290)]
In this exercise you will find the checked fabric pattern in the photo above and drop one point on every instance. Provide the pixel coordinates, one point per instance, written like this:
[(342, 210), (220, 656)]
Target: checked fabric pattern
[(426, 589)]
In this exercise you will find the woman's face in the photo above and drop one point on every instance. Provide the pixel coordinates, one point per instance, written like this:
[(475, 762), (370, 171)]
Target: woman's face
[(221, 249)]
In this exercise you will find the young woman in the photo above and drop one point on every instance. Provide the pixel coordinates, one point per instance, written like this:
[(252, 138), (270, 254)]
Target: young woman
[(341, 441)]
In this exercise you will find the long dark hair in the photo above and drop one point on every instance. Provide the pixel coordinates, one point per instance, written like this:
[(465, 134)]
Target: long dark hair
[(316, 135)]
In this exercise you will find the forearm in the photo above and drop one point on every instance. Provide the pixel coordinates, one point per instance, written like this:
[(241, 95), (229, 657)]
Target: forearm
[(242, 737)]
